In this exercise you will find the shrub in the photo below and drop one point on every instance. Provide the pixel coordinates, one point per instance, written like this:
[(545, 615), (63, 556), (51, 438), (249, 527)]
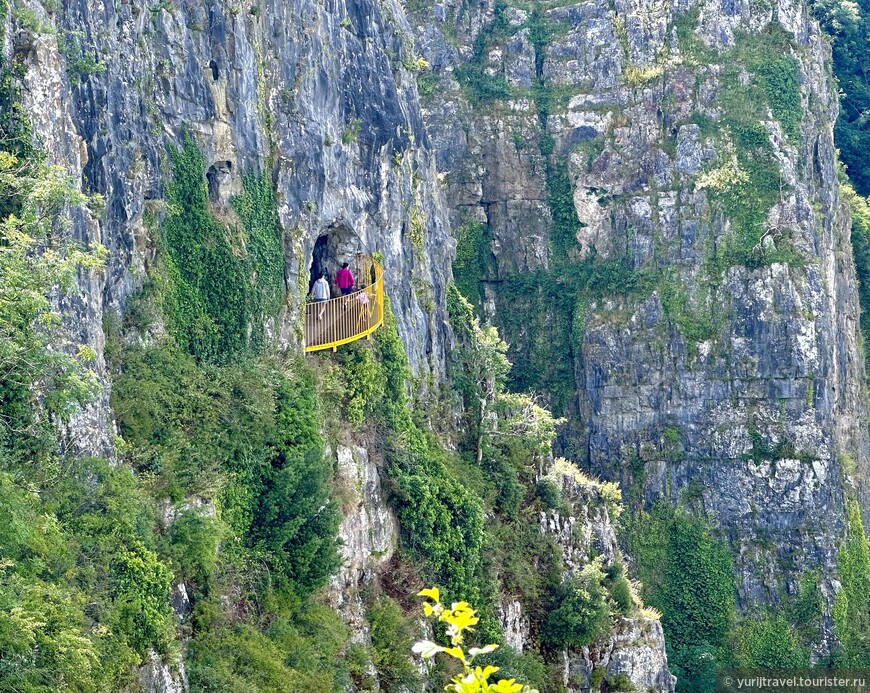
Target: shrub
[(852, 602), (620, 592), (769, 643), (295, 523), (440, 518), (187, 423), (581, 614), (240, 659), (470, 263), (549, 493), (193, 547), (527, 666), (687, 575), (363, 388), (141, 606), (392, 637)]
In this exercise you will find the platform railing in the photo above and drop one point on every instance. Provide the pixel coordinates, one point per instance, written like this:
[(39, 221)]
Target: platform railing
[(337, 321)]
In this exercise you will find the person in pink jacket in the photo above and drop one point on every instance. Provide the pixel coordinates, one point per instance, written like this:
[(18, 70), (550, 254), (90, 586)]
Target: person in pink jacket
[(345, 279)]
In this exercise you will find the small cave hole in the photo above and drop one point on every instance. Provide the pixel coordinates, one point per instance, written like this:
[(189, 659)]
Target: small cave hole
[(215, 72), (217, 173)]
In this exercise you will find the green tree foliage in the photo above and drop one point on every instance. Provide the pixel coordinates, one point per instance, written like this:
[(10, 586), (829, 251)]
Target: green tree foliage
[(186, 423), (470, 262), (480, 369), (72, 539), (195, 426), (847, 23), (241, 659), (581, 613), (82, 595), (769, 643), (192, 544), (393, 635), (441, 519), (620, 588), (860, 237), (142, 587), (36, 257), (203, 412), (295, 522)]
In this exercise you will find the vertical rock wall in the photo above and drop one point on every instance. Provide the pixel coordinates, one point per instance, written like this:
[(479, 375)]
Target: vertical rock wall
[(741, 381), (322, 98)]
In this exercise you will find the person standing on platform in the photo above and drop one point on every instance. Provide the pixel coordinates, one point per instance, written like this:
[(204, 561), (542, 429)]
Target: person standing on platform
[(345, 280)]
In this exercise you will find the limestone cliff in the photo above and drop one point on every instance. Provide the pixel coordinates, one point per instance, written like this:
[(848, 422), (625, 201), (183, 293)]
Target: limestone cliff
[(321, 100), (642, 196), (649, 197)]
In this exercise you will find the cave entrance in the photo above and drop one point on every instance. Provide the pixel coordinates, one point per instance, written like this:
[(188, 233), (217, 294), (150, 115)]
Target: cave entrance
[(319, 261), (217, 175)]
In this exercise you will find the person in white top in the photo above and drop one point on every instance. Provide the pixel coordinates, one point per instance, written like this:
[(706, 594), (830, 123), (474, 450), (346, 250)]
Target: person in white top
[(321, 289)]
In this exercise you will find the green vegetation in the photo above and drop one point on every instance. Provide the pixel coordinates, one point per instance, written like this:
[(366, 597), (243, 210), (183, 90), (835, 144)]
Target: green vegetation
[(847, 23), (581, 614), (765, 451), (299, 651), (852, 602), (620, 588), (860, 237), (81, 60), (83, 595), (480, 85), (247, 428), (748, 181), (441, 520), (770, 642), (219, 282), (86, 568), (393, 635), (687, 574), (470, 263), (545, 311)]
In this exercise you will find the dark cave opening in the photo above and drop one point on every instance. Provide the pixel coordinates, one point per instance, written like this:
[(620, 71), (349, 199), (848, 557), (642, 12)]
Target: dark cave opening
[(319, 258)]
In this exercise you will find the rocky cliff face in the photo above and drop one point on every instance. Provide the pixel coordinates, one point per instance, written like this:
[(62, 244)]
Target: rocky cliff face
[(322, 99), (645, 195), (699, 323), (635, 649)]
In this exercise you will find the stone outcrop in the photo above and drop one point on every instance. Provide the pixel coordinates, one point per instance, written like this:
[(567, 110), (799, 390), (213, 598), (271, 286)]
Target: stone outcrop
[(368, 533), (743, 382), (635, 649)]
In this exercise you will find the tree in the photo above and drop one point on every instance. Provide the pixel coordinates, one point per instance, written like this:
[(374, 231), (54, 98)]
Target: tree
[(37, 257)]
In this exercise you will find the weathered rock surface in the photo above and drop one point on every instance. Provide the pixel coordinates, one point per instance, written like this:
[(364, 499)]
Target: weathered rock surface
[(157, 677), (634, 88), (368, 532), (636, 646), (322, 99)]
